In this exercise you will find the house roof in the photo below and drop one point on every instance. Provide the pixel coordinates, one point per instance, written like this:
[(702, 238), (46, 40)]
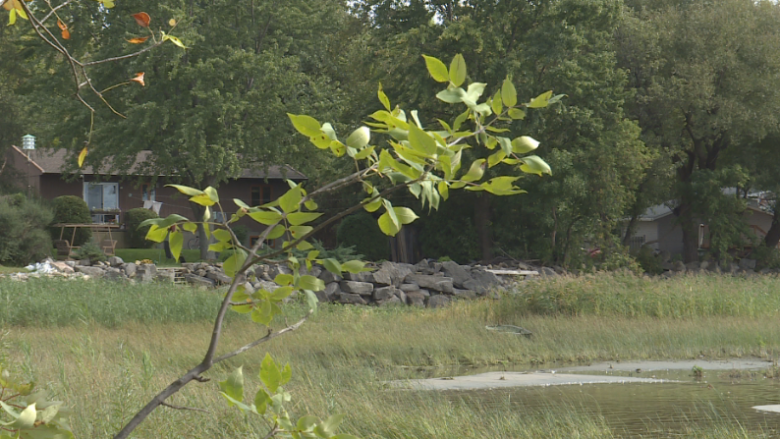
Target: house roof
[(655, 213), (53, 161)]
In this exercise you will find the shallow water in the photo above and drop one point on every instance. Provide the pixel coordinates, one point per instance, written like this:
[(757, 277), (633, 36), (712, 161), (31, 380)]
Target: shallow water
[(723, 396)]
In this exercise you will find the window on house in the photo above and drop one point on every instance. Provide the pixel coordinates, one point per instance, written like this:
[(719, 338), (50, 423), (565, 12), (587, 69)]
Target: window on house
[(148, 192), (102, 196), (260, 195)]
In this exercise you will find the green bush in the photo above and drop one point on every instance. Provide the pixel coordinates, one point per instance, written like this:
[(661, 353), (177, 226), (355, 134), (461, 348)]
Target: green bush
[(90, 250), (649, 261), (70, 209), (242, 233), (362, 232), (23, 235), (137, 237)]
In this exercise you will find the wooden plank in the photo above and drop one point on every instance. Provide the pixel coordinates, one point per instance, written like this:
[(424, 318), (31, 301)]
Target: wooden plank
[(513, 272)]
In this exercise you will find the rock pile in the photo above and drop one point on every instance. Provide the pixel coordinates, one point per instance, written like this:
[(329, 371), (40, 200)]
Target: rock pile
[(426, 284)]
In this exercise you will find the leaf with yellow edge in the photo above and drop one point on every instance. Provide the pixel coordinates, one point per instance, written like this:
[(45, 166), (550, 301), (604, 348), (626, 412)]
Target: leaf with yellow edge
[(306, 125), (138, 40), (175, 41), (82, 156), (383, 98), (186, 190), (176, 242), (457, 70), (190, 227), (437, 69)]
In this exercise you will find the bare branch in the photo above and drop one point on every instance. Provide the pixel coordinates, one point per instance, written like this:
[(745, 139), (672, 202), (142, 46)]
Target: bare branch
[(54, 10), (268, 337), (179, 407), (123, 57)]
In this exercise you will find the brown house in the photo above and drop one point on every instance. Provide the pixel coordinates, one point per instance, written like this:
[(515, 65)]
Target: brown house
[(40, 172)]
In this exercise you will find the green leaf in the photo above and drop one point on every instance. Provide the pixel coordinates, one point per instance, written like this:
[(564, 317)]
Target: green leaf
[(524, 145), (190, 227), (174, 40), (291, 200), (23, 420), (496, 158), (284, 279), (263, 313), (221, 235), (405, 215), (299, 218), (475, 90), (277, 232), (359, 138), (212, 193), (516, 114), (387, 225), (391, 212), (332, 265), (496, 104), (444, 190), (451, 96), (508, 93), (233, 386), (306, 423), (499, 186), (540, 101), (266, 217), (281, 293), (475, 172), (270, 374), (306, 125), (300, 231), (203, 199), (12, 17), (186, 190), (156, 233), (506, 145), (437, 69), (535, 165), (383, 97), (176, 243), (354, 266), (308, 282), (420, 141), (311, 299), (220, 246), (262, 399), (462, 117), (234, 262), (458, 70), (329, 426)]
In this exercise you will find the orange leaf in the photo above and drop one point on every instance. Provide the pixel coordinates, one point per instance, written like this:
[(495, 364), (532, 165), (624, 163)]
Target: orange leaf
[(82, 156), (138, 40), (139, 78), (62, 25), (142, 18), (65, 34)]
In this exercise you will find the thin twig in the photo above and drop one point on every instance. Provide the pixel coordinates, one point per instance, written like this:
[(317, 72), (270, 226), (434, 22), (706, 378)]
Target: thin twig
[(53, 10), (268, 337), (119, 58), (180, 407)]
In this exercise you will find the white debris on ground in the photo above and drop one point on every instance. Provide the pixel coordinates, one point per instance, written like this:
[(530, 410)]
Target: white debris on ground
[(44, 267)]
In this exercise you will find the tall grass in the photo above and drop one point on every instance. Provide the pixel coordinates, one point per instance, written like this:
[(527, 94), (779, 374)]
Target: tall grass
[(56, 302), (630, 296), (84, 341)]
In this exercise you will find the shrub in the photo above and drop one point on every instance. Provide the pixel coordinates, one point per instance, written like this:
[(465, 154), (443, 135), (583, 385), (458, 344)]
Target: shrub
[(90, 250), (137, 237), (649, 261), (71, 209), (23, 235), (242, 233), (362, 232)]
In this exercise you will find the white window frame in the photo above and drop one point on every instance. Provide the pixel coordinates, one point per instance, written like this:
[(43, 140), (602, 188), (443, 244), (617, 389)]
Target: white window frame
[(105, 187)]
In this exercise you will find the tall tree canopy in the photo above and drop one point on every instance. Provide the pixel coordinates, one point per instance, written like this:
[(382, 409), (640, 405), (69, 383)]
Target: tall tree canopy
[(560, 45), (705, 74)]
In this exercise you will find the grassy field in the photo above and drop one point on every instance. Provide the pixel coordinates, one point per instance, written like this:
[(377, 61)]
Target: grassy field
[(85, 341)]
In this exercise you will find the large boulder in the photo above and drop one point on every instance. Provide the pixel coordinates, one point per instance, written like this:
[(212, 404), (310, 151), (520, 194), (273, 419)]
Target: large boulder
[(90, 271), (362, 288), (458, 273), (384, 293), (392, 273), (437, 283), (481, 281), (415, 298)]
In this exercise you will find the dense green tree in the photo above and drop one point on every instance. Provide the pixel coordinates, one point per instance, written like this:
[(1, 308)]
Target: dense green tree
[(217, 107), (560, 45), (706, 79)]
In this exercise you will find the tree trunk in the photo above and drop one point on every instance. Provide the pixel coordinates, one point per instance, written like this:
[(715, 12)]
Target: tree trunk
[(482, 223), (630, 228), (203, 240), (690, 232), (772, 237)]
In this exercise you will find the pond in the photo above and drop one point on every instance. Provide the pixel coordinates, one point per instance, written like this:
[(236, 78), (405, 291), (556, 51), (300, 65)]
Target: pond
[(725, 394)]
